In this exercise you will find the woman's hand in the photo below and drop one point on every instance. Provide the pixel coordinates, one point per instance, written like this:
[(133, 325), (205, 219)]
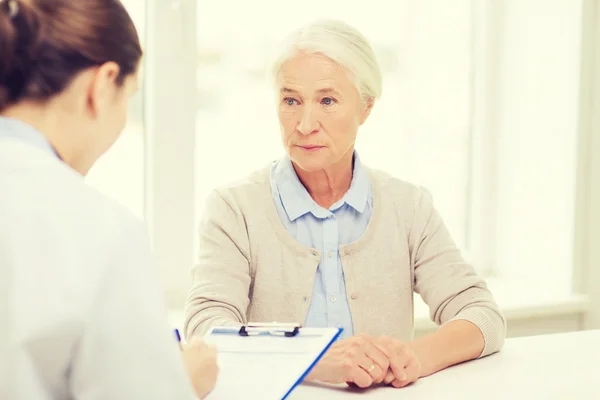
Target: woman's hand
[(201, 363), (355, 360), (405, 366)]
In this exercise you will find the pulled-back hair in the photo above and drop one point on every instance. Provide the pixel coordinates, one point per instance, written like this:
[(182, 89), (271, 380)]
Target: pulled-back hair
[(341, 43), (45, 43)]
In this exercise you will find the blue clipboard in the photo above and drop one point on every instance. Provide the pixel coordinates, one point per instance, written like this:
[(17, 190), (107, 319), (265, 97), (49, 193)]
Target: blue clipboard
[(271, 358), (301, 379)]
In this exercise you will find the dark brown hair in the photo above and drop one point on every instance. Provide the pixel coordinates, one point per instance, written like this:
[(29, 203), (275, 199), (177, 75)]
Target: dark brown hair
[(45, 43)]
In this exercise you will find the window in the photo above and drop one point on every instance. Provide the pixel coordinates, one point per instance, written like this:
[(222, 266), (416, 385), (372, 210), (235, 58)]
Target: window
[(531, 94), (120, 172)]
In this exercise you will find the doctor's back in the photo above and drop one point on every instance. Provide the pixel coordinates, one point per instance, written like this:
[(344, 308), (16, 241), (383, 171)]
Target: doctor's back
[(81, 312)]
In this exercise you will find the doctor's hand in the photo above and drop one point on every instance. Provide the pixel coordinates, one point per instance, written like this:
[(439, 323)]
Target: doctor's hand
[(405, 366), (355, 361), (201, 363)]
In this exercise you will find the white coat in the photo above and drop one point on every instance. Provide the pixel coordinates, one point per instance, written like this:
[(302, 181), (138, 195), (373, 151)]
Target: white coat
[(81, 310)]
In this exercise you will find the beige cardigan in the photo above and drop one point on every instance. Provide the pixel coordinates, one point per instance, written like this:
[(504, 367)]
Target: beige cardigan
[(251, 269)]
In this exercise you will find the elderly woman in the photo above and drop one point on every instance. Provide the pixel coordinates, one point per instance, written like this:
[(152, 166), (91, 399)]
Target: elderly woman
[(320, 239)]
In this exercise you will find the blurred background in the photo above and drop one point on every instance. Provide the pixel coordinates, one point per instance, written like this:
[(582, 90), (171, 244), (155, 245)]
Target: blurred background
[(487, 103)]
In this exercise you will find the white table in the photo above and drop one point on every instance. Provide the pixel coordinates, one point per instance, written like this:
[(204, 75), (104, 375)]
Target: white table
[(561, 366)]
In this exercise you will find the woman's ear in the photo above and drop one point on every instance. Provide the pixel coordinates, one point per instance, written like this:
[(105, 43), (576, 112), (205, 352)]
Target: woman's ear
[(103, 88), (367, 107)]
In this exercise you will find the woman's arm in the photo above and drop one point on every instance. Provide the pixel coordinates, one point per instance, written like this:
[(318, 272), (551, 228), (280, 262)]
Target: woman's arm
[(453, 291), (453, 343), (458, 299), (221, 277)]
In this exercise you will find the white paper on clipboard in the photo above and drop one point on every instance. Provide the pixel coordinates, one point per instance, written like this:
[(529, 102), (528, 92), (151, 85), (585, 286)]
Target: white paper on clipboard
[(266, 364)]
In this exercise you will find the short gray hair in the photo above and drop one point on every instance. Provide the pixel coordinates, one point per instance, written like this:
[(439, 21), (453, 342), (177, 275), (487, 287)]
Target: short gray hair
[(341, 43)]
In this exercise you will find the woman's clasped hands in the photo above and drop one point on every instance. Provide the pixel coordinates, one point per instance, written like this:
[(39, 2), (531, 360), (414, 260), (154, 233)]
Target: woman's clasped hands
[(365, 361)]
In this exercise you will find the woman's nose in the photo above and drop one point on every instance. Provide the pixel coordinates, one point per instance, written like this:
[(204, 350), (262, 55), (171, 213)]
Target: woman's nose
[(308, 123)]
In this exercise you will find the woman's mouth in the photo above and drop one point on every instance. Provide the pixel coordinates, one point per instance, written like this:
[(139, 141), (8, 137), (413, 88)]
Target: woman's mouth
[(311, 148)]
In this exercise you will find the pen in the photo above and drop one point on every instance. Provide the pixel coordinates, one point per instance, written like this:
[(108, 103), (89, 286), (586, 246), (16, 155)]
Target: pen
[(178, 336)]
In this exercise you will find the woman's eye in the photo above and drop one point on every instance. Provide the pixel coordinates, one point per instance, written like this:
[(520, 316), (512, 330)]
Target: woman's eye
[(289, 101), (327, 101)]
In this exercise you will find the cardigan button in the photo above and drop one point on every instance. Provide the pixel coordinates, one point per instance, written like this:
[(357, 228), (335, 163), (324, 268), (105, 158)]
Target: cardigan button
[(354, 296)]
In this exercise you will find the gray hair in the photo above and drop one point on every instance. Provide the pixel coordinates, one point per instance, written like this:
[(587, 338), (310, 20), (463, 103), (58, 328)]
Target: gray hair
[(341, 43)]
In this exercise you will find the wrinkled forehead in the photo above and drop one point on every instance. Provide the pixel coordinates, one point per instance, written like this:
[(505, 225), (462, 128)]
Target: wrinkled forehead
[(312, 73)]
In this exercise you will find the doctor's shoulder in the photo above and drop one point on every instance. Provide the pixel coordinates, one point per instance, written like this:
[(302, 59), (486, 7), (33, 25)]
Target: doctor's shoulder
[(117, 223), (102, 222)]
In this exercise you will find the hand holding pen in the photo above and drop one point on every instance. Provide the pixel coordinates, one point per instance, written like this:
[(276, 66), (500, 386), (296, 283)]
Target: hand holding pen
[(200, 360), (178, 337)]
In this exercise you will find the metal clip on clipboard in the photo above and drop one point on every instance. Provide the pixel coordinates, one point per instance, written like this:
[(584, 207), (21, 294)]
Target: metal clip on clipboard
[(285, 330)]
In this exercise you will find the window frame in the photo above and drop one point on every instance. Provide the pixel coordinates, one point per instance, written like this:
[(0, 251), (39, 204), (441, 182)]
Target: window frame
[(586, 274), (480, 224), (170, 141)]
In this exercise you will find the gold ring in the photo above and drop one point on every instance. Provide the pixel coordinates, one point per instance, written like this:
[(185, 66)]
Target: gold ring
[(372, 367)]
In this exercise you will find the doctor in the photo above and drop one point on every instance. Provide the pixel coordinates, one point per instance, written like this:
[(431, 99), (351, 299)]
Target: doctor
[(81, 316)]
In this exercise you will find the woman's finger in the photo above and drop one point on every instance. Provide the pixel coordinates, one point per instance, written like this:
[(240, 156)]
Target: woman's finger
[(380, 362), (411, 371), (385, 346), (399, 384), (359, 377), (370, 367), (397, 365), (389, 377)]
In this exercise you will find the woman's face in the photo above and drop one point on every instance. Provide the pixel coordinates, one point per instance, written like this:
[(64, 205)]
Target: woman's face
[(320, 111)]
